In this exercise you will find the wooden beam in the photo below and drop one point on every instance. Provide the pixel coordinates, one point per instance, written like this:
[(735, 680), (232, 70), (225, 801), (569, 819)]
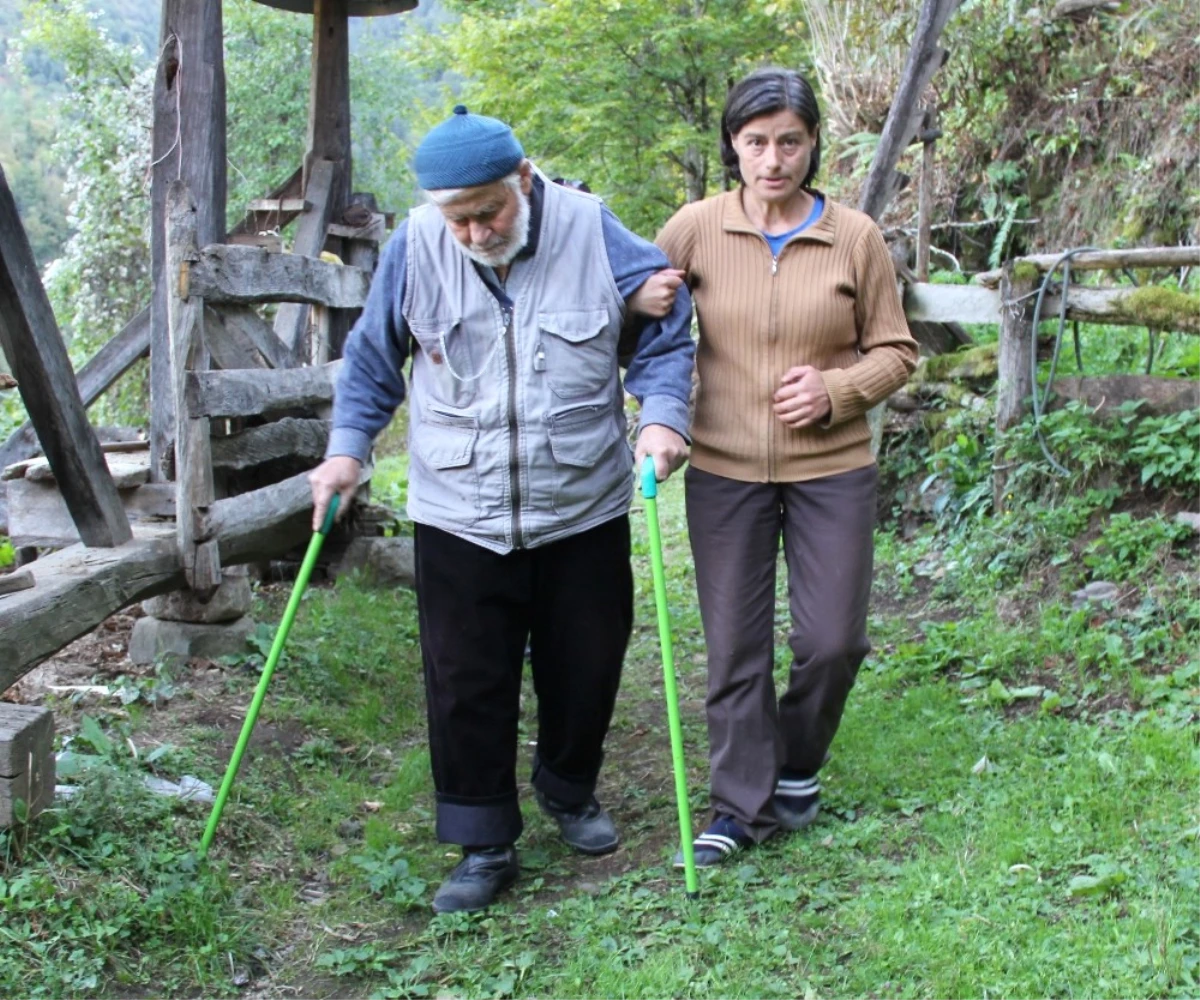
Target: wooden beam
[(193, 459), (1108, 260), (38, 516), (128, 469), (904, 116), (188, 145), (248, 276), (277, 206), (102, 370), (228, 344), (264, 521), (252, 224), (21, 579), (925, 191), (244, 394), (250, 326), (292, 317), (76, 589), (951, 304), (297, 438), (1118, 307), (38, 359)]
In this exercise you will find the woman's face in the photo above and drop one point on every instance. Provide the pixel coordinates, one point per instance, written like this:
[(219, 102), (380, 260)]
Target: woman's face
[(774, 152)]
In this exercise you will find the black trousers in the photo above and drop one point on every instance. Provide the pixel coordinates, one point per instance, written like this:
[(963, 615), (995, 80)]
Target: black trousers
[(572, 602)]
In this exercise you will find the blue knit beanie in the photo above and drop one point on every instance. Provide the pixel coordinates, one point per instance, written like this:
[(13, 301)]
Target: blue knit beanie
[(465, 151)]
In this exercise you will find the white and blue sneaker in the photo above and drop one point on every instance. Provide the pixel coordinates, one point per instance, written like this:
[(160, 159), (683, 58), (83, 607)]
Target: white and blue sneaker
[(723, 839), (797, 800)]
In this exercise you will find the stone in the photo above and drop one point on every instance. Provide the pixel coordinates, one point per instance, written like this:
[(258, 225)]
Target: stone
[(1094, 593), (155, 638), (1187, 517), (230, 602), (384, 562)]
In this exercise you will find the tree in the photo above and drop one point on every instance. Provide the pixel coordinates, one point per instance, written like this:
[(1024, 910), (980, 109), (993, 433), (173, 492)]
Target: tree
[(625, 94)]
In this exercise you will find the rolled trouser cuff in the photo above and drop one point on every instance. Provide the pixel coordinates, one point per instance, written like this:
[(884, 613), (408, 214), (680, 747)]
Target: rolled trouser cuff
[(494, 823), (568, 791)]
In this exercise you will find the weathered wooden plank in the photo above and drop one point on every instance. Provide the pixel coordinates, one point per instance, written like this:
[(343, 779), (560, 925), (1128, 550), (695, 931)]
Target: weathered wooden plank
[(21, 579), (291, 318), (925, 191), (1119, 307), (26, 762), (328, 135), (189, 145), (38, 359), (1108, 260), (250, 275), (277, 206), (262, 522), (252, 224), (38, 516), (107, 365), (951, 304), (257, 331), (128, 470), (925, 57), (291, 437), (77, 588), (228, 345), (244, 394), (193, 460), (1107, 392)]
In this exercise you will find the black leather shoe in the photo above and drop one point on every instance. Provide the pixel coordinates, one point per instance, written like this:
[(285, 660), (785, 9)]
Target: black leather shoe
[(587, 828), (477, 880)]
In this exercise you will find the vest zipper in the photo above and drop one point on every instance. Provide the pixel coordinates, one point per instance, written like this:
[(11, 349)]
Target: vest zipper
[(514, 449), (774, 265)]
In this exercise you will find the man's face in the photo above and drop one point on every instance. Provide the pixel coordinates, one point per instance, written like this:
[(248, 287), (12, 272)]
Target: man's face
[(491, 222)]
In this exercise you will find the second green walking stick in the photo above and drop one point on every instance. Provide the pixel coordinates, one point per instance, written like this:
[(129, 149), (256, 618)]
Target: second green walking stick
[(285, 626), (650, 495)]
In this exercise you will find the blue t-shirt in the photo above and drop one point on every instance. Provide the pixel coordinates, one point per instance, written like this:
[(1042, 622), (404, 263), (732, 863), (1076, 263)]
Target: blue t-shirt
[(776, 242)]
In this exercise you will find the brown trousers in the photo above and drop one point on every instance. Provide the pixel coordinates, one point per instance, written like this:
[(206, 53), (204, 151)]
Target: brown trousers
[(827, 530)]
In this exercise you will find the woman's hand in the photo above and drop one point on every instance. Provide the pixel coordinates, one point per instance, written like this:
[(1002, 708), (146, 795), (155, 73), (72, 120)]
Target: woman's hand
[(802, 399), (656, 296)]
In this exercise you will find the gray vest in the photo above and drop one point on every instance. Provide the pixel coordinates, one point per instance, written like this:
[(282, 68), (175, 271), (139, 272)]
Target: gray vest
[(516, 421)]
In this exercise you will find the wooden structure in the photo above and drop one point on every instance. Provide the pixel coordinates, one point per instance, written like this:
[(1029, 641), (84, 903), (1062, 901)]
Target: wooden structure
[(239, 405)]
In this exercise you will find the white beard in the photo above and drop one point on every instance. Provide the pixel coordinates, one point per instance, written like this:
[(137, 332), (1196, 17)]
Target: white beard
[(503, 253)]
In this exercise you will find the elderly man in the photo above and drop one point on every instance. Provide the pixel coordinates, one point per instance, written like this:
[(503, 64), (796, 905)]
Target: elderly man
[(509, 293)]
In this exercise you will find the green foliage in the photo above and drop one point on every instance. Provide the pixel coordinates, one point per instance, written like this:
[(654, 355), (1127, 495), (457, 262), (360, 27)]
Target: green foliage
[(625, 95), (388, 876), (1167, 449), (1128, 547)]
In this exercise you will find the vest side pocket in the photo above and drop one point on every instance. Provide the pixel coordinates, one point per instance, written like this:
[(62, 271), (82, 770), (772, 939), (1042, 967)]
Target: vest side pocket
[(445, 481), (581, 357), (584, 443)]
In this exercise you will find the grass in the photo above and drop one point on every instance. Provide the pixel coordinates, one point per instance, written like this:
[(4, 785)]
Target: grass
[(1010, 809)]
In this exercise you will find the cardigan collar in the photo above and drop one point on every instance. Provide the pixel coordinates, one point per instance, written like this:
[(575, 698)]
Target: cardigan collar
[(735, 220)]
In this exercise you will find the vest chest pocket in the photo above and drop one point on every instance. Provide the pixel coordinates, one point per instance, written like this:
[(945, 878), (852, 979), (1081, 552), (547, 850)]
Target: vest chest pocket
[(451, 362), (581, 357)]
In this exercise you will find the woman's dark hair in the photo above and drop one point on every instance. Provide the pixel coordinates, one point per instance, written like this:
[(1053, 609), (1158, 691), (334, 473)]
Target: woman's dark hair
[(765, 92)]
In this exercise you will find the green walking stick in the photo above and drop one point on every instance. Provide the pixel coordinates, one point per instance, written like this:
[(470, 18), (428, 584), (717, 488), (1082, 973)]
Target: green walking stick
[(285, 625), (650, 495)]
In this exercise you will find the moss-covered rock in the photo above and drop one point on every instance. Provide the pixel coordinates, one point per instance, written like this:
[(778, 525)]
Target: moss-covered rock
[(974, 364)]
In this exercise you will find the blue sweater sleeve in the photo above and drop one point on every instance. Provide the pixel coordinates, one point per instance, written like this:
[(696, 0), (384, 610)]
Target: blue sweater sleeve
[(370, 384), (659, 375)]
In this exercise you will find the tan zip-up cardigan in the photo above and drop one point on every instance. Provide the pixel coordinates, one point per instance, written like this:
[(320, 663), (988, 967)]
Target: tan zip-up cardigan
[(829, 300)]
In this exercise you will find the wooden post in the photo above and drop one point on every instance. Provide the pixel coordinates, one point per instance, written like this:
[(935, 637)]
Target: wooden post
[(188, 145), (924, 59), (292, 317), (929, 135), (38, 358), (1014, 372), (329, 120), (193, 458), (26, 762)]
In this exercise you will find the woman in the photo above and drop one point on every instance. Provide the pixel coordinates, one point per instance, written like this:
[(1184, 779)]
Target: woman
[(801, 332)]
